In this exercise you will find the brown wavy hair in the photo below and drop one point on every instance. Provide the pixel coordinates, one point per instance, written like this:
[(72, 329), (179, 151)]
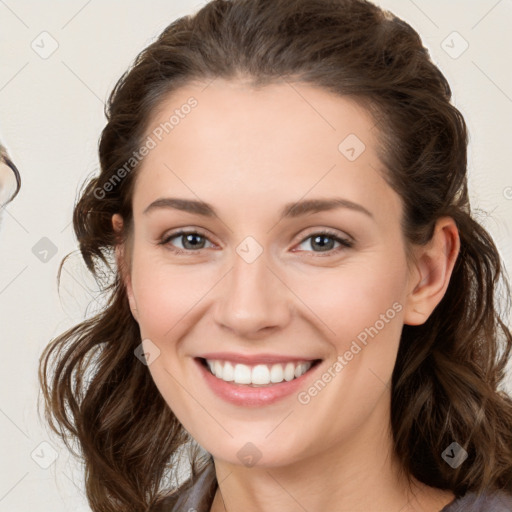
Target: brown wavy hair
[(447, 383)]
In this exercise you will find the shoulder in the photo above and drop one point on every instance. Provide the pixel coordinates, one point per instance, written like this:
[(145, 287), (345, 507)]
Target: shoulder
[(487, 501), (196, 494)]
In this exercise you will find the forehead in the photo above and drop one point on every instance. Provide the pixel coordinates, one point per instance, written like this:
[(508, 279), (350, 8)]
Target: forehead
[(237, 113), (286, 139)]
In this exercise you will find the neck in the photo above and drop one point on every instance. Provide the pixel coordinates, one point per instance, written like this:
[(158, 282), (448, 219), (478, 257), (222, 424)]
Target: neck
[(359, 473)]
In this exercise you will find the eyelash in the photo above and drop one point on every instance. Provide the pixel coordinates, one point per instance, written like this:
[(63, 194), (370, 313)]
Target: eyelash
[(345, 243)]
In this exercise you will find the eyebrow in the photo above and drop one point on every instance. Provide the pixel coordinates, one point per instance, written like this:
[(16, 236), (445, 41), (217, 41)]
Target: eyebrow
[(290, 210)]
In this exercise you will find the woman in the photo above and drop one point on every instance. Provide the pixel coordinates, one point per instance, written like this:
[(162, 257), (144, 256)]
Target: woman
[(301, 294)]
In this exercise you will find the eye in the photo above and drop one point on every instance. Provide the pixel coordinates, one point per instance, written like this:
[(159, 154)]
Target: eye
[(325, 241), (192, 241)]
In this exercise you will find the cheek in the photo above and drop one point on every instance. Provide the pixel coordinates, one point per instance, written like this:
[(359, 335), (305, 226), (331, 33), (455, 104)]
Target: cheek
[(167, 296), (169, 304), (351, 298), (359, 311)]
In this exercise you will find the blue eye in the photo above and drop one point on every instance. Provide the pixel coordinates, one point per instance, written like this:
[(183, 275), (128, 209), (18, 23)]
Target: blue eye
[(325, 241), (193, 241)]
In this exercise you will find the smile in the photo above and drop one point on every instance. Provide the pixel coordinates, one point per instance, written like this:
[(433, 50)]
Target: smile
[(249, 393)]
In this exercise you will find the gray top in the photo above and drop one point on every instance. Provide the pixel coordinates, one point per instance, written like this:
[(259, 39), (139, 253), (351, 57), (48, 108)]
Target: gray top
[(198, 497), (497, 501)]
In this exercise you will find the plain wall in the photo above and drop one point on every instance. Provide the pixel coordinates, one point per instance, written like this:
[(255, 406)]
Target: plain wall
[(51, 115)]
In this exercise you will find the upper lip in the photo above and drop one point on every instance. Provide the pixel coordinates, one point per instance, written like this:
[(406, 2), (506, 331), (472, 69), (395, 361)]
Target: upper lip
[(254, 359)]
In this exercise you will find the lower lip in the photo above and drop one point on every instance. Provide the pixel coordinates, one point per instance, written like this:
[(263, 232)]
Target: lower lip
[(239, 394)]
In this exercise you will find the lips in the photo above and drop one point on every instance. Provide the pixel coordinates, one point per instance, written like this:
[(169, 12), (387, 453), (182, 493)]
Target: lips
[(248, 395)]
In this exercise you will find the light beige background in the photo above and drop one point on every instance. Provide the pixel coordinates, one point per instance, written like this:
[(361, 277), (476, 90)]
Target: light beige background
[(51, 115)]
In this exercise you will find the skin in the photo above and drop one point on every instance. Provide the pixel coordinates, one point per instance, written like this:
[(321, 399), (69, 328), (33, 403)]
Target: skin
[(248, 152)]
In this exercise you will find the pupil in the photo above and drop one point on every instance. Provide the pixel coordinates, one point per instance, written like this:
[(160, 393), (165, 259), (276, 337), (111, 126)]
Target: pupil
[(322, 245), (190, 239)]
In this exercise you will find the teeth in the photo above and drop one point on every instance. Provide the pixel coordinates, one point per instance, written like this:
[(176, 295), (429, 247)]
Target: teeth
[(259, 375)]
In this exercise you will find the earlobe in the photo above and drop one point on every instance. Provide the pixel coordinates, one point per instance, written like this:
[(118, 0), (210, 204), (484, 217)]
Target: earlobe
[(117, 222), (434, 265)]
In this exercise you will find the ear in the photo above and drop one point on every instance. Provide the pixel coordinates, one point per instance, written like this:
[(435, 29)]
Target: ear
[(434, 264), (117, 224)]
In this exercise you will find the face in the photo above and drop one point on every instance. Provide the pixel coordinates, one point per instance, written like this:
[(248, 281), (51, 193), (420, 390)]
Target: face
[(327, 283)]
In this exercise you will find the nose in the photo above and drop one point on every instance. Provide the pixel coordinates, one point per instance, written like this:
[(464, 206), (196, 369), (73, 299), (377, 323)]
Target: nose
[(253, 299)]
